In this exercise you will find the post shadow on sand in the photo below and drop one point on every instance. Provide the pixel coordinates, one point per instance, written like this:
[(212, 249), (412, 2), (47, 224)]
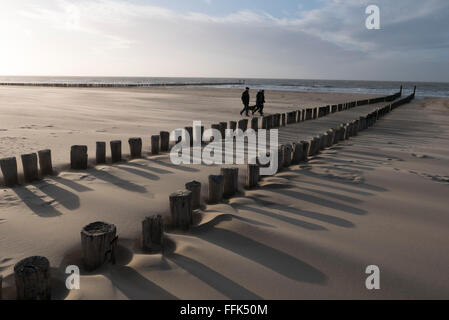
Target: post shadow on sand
[(317, 184), (40, 207), (71, 184), (269, 257), (174, 166), (325, 177), (224, 285), (135, 286), (149, 168), (321, 201), (293, 221), (66, 198), (118, 182), (138, 172)]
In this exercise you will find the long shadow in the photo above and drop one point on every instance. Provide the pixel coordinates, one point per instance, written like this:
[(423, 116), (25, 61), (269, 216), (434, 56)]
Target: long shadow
[(334, 195), (36, 204), (137, 287), (174, 166), (362, 193), (293, 221), (138, 172), (156, 170), (118, 182), (217, 281), (320, 201), (341, 181), (269, 257), (71, 184), (318, 216), (66, 198)]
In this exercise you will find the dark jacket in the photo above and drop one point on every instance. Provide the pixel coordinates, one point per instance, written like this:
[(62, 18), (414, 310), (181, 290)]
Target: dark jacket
[(260, 99), (245, 98)]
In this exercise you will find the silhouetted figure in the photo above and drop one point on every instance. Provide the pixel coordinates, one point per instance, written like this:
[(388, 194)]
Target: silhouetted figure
[(245, 101), (260, 100)]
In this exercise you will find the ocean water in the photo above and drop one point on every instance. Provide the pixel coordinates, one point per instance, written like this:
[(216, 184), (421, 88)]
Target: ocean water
[(424, 89)]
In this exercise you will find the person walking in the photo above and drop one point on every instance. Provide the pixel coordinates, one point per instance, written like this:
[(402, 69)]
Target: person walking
[(260, 100), (245, 101)]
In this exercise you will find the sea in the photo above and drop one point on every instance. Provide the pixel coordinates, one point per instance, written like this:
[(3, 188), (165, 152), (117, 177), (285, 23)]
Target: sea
[(424, 89)]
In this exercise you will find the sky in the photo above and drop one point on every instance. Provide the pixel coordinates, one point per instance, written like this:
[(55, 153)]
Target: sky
[(303, 39)]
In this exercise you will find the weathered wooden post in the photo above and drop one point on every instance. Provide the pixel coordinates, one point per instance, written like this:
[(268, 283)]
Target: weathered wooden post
[(155, 144), (30, 168), (255, 123), (223, 127), (98, 241), (305, 150), (297, 153), (243, 124), (230, 181), (232, 125), (189, 130), (323, 141), (32, 277), (216, 188), (9, 170), (181, 209), (283, 119), (78, 157), (165, 140), (330, 138), (116, 151), (252, 176), (287, 155), (101, 152), (195, 188), (45, 162), (280, 157), (153, 233), (135, 147)]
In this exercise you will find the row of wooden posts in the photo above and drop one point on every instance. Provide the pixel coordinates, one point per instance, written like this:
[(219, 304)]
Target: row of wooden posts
[(79, 154), (99, 239)]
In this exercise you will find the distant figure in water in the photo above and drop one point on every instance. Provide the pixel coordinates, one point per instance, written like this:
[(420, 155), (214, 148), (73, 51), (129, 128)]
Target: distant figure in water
[(245, 101), (260, 100)]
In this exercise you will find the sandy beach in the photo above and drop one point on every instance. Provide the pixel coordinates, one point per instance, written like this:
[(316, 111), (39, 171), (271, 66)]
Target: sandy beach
[(379, 198)]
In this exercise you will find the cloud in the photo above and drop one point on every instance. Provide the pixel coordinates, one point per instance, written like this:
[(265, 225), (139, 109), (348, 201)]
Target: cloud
[(117, 37)]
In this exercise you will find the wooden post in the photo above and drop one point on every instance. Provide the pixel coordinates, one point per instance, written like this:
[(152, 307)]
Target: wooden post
[(153, 233), (283, 119), (195, 188), (230, 181), (45, 162), (190, 132), (255, 123), (216, 188), (155, 144), (33, 281), (287, 155), (9, 170), (280, 157), (297, 153), (116, 151), (30, 169), (78, 157), (305, 150), (330, 138), (135, 147), (252, 176), (243, 124), (101, 152), (223, 127), (98, 241), (165, 140), (232, 125), (181, 209)]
